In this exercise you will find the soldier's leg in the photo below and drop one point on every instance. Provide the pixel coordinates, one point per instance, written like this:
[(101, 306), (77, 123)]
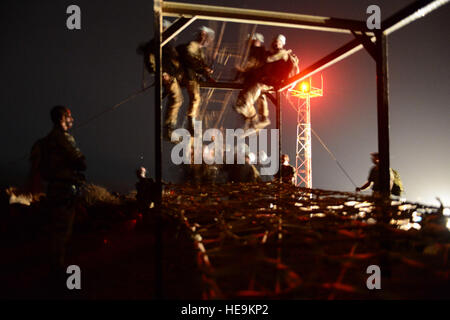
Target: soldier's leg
[(175, 101), (61, 228), (193, 88), (63, 217), (245, 104), (263, 111)]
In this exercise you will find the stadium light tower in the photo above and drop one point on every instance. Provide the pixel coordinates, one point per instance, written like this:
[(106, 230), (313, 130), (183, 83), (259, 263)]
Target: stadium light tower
[(304, 91)]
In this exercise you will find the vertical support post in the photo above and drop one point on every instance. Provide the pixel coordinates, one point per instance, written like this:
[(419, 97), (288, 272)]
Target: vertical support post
[(383, 145), (157, 7), (383, 111), (278, 106), (308, 141)]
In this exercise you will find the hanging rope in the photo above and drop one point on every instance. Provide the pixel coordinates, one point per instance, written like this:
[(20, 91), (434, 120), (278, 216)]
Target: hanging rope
[(130, 97), (321, 142), (332, 155)]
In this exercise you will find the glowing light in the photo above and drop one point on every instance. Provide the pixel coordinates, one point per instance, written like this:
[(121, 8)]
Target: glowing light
[(368, 209), (446, 212), (335, 207), (304, 86), (409, 226), (317, 215), (363, 204), (416, 217), (448, 223), (406, 207)]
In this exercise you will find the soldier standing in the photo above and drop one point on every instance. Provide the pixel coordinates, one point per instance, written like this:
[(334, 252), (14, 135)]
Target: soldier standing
[(146, 191), (287, 171), (60, 163), (374, 181)]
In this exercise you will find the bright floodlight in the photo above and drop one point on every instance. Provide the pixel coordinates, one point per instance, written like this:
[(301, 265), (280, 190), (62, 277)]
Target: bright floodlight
[(304, 86)]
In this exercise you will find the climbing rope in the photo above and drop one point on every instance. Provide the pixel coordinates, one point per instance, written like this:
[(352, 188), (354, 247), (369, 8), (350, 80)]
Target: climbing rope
[(324, 145), (94, 117), (333, 156), (98, 115)]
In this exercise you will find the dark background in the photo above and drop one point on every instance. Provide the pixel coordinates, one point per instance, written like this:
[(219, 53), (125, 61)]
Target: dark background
[(43, 64)]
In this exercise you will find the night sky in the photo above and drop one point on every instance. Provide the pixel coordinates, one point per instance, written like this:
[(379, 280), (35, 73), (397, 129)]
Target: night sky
[(44, 64)]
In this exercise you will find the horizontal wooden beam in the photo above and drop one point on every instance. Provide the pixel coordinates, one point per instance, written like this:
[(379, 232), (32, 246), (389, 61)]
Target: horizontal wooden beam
[(261, 17), (178, 26), (414, 11), (332, 58)]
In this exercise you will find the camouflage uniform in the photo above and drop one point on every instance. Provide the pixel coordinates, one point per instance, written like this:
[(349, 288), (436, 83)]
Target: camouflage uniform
[(250, 73), (270, 74), (171, 79), (61, 162), (193, 61)]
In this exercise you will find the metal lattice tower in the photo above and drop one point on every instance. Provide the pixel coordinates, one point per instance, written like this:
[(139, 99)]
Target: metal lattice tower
[(304, 92)]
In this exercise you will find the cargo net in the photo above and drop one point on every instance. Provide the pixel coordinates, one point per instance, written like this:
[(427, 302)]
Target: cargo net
[(277, 241)]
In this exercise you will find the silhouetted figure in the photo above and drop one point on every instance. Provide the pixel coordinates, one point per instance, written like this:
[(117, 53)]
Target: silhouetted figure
[(246, 172), (146, 191), (374, 177), (396, 185), (59, 162), (287, 171)]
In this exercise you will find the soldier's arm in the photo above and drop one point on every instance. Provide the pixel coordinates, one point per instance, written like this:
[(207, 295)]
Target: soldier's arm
[(296, 65), (281, 55), (195, 60), (369, 181), (72, 152)]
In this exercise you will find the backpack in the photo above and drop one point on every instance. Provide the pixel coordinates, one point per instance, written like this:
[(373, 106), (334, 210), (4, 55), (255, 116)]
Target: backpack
[(397, 186)]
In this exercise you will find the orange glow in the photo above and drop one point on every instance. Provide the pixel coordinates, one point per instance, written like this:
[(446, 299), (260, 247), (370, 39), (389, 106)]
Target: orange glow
[(304, 86), (305, 89)]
